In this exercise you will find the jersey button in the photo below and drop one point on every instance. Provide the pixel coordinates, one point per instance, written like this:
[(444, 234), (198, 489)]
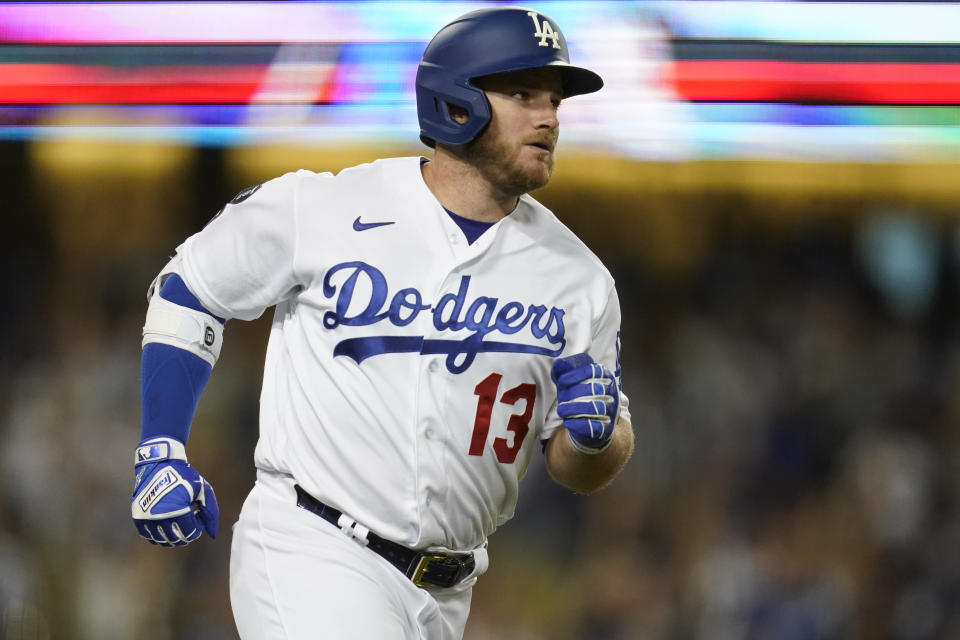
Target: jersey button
[(433, 366), (454, 238), (429, 433)]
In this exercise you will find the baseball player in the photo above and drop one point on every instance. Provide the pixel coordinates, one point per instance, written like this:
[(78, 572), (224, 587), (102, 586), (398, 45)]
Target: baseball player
[(434, 328)]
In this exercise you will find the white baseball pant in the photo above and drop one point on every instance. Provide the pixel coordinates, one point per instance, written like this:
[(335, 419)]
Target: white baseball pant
[(295, 576)]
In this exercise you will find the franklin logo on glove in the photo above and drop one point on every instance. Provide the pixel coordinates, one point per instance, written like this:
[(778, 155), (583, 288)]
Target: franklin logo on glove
[(159, 484)]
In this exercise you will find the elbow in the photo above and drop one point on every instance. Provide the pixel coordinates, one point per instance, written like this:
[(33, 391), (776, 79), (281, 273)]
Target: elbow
[(579, 483)]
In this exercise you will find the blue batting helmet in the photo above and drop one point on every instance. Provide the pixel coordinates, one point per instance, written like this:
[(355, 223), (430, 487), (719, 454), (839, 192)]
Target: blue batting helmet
[(482, 43)]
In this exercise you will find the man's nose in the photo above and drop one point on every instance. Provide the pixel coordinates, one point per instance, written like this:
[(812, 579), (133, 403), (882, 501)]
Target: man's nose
[(546, 114)]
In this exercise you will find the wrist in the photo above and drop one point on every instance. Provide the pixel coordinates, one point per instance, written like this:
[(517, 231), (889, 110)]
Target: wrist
[(159, 449), (587, 449)]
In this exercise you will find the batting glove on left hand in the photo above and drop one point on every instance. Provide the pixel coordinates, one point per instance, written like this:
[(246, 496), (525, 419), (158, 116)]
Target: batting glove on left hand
[(588, 400), (172, 503)]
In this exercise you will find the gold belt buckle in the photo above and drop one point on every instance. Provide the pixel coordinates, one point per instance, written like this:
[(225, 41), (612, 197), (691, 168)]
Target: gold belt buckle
[(422, 565)]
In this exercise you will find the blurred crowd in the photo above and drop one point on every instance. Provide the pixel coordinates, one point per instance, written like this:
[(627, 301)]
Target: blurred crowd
[(795, 475)]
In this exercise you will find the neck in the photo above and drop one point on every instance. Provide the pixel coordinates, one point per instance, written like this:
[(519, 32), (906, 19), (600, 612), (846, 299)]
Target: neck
[(461, 188)]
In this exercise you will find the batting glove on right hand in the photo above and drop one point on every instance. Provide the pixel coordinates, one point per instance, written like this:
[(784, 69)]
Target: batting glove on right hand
[(172, 503), (588, 400)]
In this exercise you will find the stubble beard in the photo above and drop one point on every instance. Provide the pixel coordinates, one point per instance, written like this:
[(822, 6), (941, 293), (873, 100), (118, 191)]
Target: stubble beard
[(500, 165)]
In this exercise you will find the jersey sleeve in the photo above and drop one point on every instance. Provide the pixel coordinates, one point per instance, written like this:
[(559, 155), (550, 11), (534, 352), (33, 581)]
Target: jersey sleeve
[(604, 349), (243, 261)]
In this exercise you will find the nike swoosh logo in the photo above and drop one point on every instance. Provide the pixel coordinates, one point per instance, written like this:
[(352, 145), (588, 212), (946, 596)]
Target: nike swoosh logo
[(363, 226)]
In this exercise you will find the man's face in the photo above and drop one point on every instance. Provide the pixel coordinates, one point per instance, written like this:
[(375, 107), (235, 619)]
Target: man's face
[(516, 151)]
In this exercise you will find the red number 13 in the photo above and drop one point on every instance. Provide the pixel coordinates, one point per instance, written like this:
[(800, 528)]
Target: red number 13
[(519, 423)]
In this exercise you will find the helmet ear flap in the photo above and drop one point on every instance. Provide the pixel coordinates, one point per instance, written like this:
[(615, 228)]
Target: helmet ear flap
[(434, 100)]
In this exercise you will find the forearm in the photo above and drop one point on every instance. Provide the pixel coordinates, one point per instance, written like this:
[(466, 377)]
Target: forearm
[(588, 473), (171, 382)]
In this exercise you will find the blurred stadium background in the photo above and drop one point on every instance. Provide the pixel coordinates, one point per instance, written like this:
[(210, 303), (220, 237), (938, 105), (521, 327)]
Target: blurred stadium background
[(774, 185)]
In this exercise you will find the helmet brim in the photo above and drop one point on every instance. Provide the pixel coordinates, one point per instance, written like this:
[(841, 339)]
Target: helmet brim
[(575, 80), (578, 81)]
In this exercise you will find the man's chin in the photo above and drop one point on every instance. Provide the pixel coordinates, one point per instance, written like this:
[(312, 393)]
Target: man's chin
[(538, 175)]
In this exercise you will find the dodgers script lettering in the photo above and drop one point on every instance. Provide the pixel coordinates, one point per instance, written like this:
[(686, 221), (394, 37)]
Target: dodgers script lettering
[(482, 316)]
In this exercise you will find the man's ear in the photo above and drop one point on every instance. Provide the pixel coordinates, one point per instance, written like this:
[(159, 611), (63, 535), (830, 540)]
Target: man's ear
[(457, 113)]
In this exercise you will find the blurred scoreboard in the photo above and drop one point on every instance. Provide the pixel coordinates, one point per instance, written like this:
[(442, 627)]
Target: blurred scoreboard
[(810, 80)]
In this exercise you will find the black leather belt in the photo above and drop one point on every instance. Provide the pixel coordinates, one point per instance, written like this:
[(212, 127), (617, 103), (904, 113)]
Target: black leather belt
[(424, 568)]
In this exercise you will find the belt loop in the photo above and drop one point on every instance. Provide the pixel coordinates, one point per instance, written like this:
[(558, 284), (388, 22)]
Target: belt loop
[(481, 559), (346, 523), (353, 529), (359, 533)]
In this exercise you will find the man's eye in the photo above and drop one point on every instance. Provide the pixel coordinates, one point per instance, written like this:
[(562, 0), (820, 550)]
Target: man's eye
[(520, 95)]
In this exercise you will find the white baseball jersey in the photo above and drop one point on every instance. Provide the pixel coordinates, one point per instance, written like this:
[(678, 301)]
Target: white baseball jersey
[(407, 376)]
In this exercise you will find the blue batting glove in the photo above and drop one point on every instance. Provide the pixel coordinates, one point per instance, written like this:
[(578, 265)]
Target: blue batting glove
[(172, 503), (588, 400)]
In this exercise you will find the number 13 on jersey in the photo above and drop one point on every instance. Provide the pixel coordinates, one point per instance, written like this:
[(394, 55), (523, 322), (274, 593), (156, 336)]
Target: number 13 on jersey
[(518, 425)]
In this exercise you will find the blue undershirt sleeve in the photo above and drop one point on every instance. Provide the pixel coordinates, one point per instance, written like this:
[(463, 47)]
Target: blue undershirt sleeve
[(171, 379)]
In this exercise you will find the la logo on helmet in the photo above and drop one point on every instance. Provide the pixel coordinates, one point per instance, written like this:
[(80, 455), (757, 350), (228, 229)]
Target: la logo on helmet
[(544, 30)]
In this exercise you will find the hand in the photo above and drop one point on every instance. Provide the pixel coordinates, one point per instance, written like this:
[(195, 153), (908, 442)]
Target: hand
[(588, 400), (172, 503)]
